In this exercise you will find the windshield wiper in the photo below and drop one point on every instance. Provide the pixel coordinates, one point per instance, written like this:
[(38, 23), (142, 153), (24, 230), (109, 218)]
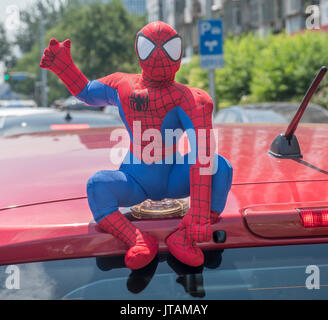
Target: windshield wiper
[(286, 146)]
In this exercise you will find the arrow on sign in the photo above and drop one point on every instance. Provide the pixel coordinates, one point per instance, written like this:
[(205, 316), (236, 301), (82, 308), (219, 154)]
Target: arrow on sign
[(211, 44)]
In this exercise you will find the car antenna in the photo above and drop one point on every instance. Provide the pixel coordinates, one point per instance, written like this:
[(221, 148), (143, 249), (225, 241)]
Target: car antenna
[(286, 146), (68, 116)]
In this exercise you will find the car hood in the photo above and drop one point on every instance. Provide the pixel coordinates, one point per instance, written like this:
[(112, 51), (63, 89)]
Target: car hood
[(55, 166)]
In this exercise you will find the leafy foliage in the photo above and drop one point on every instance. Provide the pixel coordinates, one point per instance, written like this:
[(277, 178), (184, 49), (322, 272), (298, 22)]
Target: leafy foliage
[(5, 45), (27, 64), (285, 68), (102, 36), (276, 68), (233, 81), (29, 32), (193, 75)]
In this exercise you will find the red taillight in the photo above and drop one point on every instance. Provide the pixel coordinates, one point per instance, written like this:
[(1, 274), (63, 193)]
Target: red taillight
[(314, 217), (77, 126)]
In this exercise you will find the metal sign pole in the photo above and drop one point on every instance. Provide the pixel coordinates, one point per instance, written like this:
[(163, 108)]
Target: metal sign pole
[(211, 72), (44, 80)]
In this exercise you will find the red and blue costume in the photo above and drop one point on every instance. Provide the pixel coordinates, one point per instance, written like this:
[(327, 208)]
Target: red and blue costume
[(155, 101)]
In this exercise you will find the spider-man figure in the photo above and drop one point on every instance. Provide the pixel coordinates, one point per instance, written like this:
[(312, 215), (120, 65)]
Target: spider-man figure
[(154, 101)]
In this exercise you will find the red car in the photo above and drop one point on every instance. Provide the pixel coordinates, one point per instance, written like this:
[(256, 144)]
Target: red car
[(270, 242)]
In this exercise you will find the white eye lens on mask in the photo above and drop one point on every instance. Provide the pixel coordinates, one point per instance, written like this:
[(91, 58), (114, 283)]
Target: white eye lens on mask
[(144, 47), (173, 48)]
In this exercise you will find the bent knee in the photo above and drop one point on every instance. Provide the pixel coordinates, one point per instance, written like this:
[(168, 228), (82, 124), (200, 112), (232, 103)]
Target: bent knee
[(224, 172), (103, 181), (101, 198), (95, 180), (226, 167), (221, 184)]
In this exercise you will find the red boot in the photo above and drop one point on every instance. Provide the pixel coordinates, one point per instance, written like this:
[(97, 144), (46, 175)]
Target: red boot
[(185, 249), (214, 217), (142, 247)]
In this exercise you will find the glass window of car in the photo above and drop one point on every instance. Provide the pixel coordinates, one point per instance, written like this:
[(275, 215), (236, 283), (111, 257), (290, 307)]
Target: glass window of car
[(279, 272)]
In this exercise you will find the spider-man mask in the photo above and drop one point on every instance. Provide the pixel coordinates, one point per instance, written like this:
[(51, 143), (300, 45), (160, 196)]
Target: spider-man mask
[(159, 50)]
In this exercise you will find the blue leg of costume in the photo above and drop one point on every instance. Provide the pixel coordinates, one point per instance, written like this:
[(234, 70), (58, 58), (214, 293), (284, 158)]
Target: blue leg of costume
[(108, 190), (132, 184)]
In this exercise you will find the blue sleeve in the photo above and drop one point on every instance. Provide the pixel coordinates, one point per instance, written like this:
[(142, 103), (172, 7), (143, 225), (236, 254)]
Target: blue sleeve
[(98, 94)]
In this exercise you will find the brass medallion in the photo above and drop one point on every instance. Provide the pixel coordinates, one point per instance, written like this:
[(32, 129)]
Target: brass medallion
[(166, 208)]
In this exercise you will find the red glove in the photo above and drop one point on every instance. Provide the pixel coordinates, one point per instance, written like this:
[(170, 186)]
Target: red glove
[(197, 225), (57, 58)]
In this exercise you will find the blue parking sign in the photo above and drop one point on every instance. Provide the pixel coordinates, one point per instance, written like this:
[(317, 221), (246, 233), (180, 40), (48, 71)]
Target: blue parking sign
[(211, 44)]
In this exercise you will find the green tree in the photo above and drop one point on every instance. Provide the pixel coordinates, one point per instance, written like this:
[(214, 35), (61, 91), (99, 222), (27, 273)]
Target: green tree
[(192, 75), (5, 45), (26, 64), (285, 68), (276, 68), (29, 33), (28, 40), (233, 81), (102, 36)]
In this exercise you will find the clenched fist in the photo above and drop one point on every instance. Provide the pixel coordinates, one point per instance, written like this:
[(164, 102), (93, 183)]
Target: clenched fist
[(57, 58)]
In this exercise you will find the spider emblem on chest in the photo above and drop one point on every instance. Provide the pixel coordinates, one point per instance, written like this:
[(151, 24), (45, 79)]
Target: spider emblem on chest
[(139, 100)]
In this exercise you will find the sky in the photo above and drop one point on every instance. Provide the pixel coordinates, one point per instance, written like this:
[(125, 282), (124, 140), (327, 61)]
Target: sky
[(9, 14), (6, 3)]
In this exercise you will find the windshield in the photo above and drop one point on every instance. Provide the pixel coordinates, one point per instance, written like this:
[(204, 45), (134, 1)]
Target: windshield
[(247, 273)]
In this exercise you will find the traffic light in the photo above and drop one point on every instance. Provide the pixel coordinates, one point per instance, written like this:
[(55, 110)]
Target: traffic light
[(7, 77)]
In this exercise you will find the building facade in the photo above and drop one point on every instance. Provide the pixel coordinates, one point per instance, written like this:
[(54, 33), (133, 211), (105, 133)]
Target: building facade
[(239, 16), (324, 14), (132, 6), (264, 16), (243, 16), (136, 6), (154, 10)]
